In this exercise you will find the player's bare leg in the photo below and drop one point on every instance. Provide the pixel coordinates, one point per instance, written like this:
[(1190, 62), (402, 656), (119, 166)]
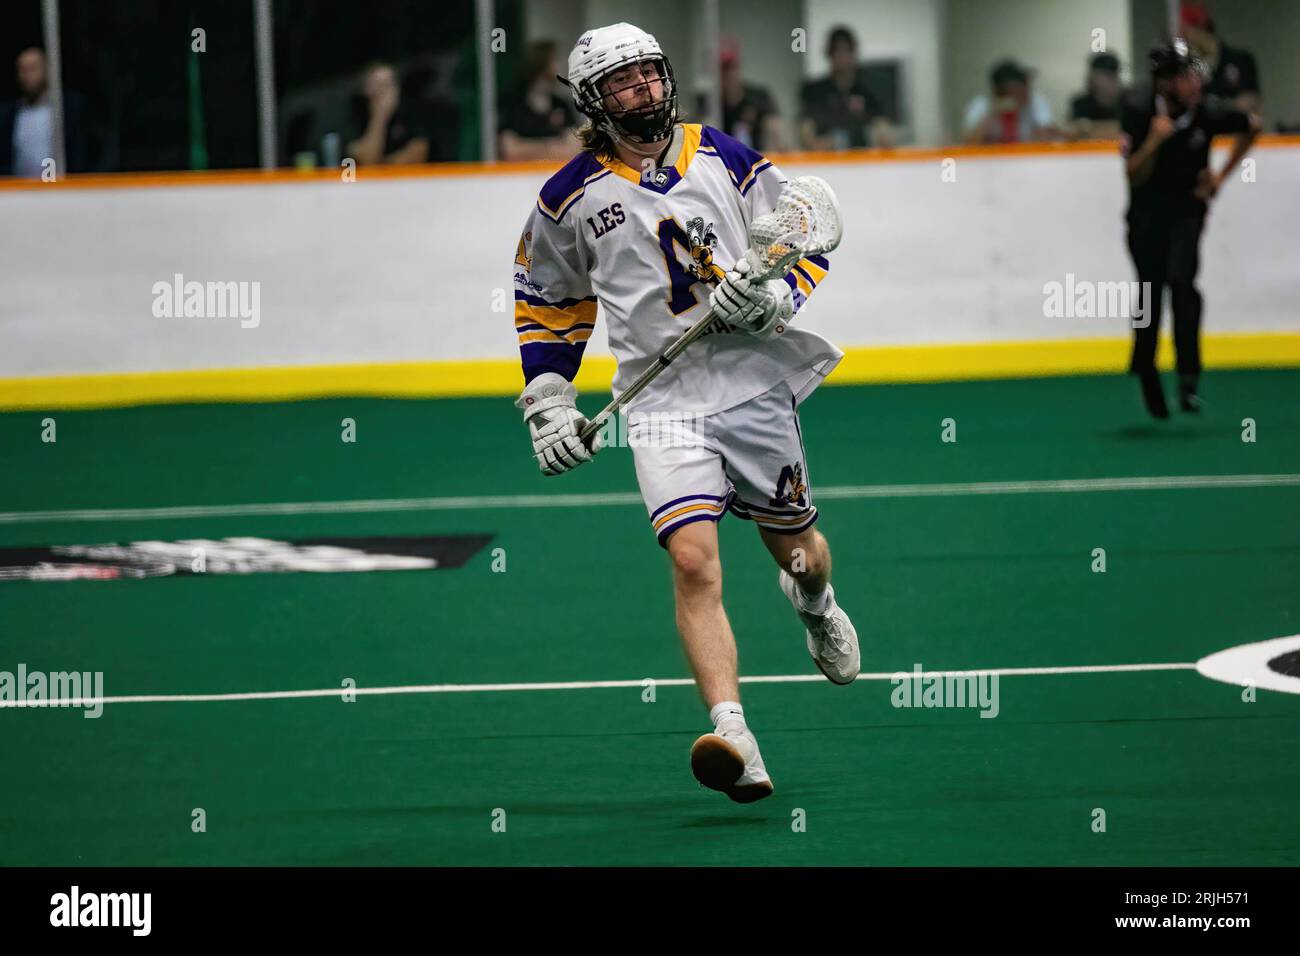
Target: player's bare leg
[(727, 759), (805, 556), (706, 633), (805, 561)]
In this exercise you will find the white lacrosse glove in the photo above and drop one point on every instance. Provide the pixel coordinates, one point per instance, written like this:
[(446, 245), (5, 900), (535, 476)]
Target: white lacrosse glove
[(554, 422), (759, 308)]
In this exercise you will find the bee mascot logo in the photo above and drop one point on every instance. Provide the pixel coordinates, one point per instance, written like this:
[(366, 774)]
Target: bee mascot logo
[(790, 487)]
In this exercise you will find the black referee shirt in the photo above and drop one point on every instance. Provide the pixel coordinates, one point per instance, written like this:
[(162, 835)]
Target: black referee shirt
[(1168, 193)]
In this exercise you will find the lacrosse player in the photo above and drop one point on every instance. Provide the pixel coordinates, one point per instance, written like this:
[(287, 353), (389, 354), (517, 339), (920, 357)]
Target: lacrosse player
[(634, 222)]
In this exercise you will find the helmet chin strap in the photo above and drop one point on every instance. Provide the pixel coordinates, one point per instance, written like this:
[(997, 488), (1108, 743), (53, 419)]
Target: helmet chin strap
[(632, 146)]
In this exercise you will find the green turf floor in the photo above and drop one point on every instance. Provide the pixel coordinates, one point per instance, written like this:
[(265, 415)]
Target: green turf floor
[(1186, 772)]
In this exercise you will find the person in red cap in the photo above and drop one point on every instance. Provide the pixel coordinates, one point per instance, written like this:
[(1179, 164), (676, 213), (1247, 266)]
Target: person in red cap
[(1233, 73)]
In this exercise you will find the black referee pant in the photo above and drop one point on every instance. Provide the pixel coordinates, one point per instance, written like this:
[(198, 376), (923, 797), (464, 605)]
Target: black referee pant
[(1168, 253)]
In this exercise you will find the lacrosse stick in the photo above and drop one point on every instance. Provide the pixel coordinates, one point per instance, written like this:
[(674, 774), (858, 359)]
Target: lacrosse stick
[(805, 222)]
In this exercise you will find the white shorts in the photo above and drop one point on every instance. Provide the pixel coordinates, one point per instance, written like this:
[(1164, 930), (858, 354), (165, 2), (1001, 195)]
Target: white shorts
[(748, 460)]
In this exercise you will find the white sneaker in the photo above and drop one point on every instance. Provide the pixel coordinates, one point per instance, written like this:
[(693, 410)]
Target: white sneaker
[(832, 639), (728, 760)]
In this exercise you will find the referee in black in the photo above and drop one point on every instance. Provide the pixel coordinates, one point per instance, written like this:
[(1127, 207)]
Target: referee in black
[(1166, 134)]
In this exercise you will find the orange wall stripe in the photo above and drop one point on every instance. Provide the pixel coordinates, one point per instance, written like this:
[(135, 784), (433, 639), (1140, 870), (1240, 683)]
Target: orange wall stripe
[(243, 177)]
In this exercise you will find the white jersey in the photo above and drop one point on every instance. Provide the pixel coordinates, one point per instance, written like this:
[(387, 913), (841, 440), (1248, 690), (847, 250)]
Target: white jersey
[(604, 233)]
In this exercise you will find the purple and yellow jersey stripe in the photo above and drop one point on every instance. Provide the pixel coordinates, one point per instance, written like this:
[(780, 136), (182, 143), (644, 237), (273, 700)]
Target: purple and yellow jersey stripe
[(569, 320), (805, 276), (743, 164), (553, 335), (566, 187)]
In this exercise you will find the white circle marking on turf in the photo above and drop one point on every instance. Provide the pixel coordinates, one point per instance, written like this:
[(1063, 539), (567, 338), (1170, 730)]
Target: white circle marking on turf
[(1248, 664)]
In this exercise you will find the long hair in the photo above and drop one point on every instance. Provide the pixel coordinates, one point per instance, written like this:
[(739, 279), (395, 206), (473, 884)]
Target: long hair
[(596, 141)]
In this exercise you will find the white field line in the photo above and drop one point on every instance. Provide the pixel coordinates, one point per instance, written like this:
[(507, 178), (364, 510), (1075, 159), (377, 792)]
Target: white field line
[(575, 685), (470, 502)]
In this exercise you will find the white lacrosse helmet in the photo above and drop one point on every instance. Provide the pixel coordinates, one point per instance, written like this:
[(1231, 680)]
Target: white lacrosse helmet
[(605, 49)]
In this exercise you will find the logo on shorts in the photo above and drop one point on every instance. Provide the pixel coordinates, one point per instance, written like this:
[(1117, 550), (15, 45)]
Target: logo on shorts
[(790, 487)]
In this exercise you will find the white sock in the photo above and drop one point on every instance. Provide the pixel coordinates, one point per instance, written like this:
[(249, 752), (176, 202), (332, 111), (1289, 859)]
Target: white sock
[(729, 710), (818, 603)]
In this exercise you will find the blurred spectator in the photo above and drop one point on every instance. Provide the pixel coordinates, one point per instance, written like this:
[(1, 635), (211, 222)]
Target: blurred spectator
[(27, 123), (1013, 113), (1290, 126), (748, 112), (839, 111), (391, 130), (1095, 113), (1233, 74), (538, 120), (430, 85)]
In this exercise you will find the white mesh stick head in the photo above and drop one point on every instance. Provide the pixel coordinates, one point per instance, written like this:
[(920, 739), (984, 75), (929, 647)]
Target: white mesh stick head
[(805, 222)]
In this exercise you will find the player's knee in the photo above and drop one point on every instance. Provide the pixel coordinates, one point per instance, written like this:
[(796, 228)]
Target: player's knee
[(694, 566)]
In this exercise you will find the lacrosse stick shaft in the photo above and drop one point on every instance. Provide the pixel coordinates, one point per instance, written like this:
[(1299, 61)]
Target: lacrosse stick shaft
[(649, 375)]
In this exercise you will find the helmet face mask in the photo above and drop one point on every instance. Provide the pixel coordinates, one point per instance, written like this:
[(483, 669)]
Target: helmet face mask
[(626, 106)]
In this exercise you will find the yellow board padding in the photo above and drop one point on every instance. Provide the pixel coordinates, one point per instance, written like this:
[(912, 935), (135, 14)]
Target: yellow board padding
[(985, 360), (502, 377)]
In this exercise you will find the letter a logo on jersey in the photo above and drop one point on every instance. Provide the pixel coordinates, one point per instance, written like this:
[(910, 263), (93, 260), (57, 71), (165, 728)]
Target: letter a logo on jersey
[(522, 258), (790, 488)]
